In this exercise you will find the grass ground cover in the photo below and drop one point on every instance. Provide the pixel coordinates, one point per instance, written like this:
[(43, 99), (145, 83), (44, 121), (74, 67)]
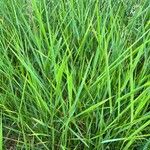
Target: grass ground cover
[(75, 74)]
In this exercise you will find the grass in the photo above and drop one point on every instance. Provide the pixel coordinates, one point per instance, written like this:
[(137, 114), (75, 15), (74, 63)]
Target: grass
[(75, 74), (1, 135)]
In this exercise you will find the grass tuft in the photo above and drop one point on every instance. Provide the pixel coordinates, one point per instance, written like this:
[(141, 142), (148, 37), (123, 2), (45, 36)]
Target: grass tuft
[(74, 74)]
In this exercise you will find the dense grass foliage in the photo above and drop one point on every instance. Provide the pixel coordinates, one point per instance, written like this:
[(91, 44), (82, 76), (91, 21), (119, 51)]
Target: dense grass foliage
[(75, 74)]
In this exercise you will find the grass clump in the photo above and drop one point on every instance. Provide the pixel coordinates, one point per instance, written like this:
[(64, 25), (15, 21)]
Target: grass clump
[(75, 74)]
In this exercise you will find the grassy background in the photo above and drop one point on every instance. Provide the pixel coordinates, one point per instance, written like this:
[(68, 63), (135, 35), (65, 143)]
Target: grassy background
[(75, 74)]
